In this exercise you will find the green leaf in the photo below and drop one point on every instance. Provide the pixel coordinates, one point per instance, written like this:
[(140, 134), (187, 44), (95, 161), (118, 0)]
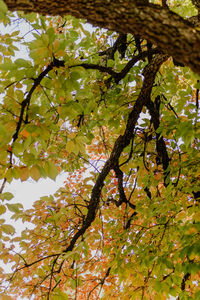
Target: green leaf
[(14, 207), (6, 196), (74, 35), (51, 170), (22, 63), (7, 66), (70, 146), (51, 34), (110, 63), (59, 296), (73, 284)]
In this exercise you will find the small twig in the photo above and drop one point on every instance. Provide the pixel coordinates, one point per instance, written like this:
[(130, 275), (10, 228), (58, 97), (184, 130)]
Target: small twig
[(3, 185), (170, 106), (87, 161), (37, 261), (197, 98), (101, 283), (130, 154), (51, 277)]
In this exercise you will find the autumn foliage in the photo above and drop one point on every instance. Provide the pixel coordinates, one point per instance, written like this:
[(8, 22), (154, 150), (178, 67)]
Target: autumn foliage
[(121, 119)]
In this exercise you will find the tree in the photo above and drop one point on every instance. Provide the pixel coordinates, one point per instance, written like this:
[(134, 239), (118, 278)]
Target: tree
[(120, 116)]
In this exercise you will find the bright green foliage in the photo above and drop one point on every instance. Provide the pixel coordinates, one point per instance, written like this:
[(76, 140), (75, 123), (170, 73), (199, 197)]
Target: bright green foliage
[(123, 123)]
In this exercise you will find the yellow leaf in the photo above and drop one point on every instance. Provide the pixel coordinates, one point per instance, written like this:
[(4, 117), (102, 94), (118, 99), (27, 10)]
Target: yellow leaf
[(182, 216), (34, 173), (197, 216), (45, 39), (5, 297), (8, 229), (61, 53), (56, 45), (70, 146), (19, 85), (2, 209)]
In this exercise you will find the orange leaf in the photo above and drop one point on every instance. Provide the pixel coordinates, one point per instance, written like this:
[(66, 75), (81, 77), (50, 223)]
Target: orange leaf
[(25, 133), (23, 173)]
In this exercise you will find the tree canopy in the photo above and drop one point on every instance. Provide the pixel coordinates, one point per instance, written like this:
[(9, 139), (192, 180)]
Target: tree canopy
[(117, 109)]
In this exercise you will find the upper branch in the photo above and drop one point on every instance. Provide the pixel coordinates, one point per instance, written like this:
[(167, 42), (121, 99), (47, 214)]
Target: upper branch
[(27, 100), (162, 27)]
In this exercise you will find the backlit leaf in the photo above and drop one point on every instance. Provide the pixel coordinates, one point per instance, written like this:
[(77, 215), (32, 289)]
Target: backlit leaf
[(8, 229)]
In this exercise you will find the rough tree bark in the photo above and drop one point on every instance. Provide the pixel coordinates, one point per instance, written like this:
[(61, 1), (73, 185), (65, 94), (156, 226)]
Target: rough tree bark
[(174, 35)]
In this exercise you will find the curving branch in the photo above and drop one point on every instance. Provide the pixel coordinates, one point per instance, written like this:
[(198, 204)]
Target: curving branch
[(116, 75)]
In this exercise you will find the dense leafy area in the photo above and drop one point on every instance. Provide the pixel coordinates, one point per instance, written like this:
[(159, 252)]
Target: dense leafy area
[(122, 120)]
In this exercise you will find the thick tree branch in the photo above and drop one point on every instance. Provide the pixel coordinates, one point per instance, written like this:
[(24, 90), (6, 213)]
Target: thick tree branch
[(123, 141), (157, 24)]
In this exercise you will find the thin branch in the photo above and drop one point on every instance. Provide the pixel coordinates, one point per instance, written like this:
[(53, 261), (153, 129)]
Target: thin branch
[(50, 103), (128, 224), (116, 75), (3, 185), (170, 106), (51, 277), (87, 161), (37, 261), (131, 193)]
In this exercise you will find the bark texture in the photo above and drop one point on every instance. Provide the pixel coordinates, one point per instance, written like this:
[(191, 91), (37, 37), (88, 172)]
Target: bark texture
[(174, 35)]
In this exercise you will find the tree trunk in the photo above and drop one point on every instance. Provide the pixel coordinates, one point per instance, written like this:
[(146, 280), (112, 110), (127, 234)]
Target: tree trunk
[(171, 33)]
